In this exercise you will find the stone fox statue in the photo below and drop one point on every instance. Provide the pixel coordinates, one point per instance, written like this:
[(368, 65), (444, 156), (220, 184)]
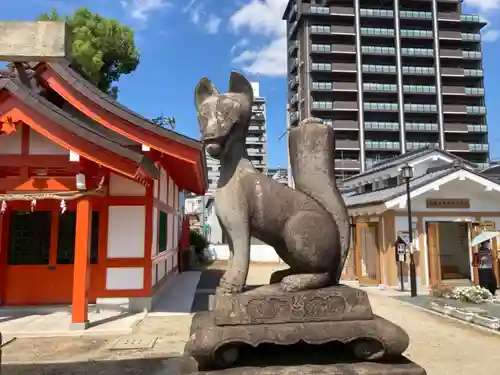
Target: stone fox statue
[(308, 227)]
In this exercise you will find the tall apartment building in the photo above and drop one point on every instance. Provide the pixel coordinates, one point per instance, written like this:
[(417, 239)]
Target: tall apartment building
[(389, 76), (256, 141)]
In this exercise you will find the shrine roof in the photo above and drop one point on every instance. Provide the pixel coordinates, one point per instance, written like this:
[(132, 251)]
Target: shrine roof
[(87, 130), (110, 104), (185, 157)]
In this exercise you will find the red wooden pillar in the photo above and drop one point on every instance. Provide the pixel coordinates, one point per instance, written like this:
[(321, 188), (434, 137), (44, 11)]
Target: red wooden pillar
[(79, 319)]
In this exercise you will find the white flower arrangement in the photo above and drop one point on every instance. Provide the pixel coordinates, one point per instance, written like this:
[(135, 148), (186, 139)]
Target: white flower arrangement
[(474, 294)]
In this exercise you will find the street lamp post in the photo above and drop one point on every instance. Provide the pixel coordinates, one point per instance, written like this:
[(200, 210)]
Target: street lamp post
[(407, 175)]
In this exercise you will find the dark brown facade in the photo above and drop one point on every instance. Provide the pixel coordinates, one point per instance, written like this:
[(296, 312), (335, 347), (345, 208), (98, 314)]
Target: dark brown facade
[(390, 77)]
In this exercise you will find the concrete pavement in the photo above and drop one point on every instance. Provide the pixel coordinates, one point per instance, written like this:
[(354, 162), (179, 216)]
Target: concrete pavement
[(441, 346)]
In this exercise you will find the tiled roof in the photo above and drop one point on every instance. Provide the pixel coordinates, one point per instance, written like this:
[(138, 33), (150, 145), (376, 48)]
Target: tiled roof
[(383, 195), (405, 158)]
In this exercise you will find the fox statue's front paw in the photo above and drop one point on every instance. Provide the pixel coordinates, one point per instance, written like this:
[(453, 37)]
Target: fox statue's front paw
[(230, 287)]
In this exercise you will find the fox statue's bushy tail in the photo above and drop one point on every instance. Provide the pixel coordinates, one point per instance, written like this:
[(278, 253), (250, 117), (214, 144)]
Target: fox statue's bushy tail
[(312, 159)]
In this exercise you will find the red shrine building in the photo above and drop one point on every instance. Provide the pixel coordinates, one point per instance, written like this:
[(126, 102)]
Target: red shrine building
[(90, 194)]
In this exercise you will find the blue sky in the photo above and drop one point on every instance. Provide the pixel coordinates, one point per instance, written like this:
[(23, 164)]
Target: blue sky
[(182, 41)]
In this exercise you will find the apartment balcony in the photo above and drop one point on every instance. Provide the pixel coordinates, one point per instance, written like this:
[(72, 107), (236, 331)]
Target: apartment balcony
[(476, 109), (292, 65), (346, 144), (328, 11), (472, 55), (292, 29), (382, 69), (293, 46), (478, 147), (419, 70), (293, 13), (420, 108), (450, 35), (294, 99), (451, 17), (257, 140), (461, 54), (471, 37), (471, 18), (381, 125), (293, 82), (334, 67), (382, 145), (294, 117), (421, 127), (456, 146), (465, 128), (380, 107), (332, 49), (379, 87), (332, 30), (417, 145), (415, 15), (334, 106), (451, 53), (415, 33), (419, 89), (455, 109), (377, 13), (473, 72), (255, 151), (343, 124), (255, 127), (453, 90), (466, 147), (452, 72), (417, 52), (347, 164), (258, 117), (377, 32), (375, 50), (334, 86)]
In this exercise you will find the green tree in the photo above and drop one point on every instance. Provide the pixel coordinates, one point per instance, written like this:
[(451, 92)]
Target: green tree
[(103, 49)]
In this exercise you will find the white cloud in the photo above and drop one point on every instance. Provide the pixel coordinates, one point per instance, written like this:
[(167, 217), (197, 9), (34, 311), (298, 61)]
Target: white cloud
[(197, 15), (484, 5), (142, 9), (213, 23), (262, 19)]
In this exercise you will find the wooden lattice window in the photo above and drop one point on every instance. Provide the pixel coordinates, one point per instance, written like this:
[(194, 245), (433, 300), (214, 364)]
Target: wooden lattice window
[(66, 238), (29, 238)]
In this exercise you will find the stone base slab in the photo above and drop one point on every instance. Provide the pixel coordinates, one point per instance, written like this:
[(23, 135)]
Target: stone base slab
[(269, 305), (214, 346), (364, 368)]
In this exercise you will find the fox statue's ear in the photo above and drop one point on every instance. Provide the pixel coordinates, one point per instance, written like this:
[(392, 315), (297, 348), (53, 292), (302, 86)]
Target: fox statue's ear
[(240, 85), (203, 91)]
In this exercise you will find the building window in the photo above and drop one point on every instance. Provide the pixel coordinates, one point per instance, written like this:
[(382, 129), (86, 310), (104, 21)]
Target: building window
[(67, 235), (29, 239), (162, 227)]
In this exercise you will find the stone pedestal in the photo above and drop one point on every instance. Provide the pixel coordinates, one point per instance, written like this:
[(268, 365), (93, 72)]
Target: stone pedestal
[(339, 316)]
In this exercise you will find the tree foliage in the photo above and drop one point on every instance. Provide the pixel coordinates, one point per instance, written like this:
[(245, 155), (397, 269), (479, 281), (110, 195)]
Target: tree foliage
[(103, 49), (164, 121)]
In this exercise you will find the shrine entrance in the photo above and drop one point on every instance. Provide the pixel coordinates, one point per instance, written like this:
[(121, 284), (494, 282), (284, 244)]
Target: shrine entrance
[(367, 257), (39, 247)]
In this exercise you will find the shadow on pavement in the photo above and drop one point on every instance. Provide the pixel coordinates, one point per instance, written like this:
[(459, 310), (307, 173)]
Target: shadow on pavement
[(209, 281), (146, 366), (210, 278)]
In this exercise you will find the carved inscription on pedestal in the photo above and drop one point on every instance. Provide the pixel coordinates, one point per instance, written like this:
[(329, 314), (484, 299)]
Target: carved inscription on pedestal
[(294, 309), (332, 304)]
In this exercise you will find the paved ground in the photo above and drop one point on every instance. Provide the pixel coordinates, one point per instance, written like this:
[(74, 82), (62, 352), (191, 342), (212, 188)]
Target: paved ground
[(441, 346)]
